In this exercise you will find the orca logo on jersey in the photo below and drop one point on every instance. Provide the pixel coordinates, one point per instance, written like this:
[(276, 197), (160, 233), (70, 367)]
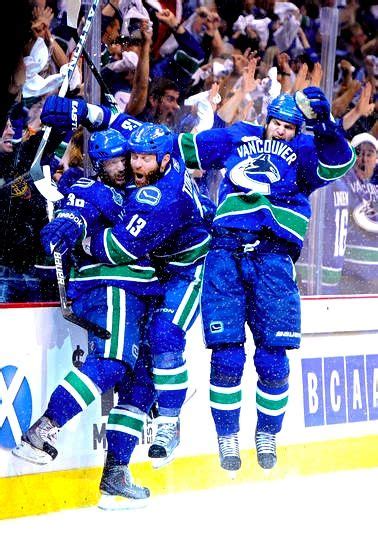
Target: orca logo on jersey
[(366, 216), (251, 173), (149, 195)]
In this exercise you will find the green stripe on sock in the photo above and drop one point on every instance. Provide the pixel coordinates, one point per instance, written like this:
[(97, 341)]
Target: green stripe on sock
[(219, 397), (80, 387), (124, 420)]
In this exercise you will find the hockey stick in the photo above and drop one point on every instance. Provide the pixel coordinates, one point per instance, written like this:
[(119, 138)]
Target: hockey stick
[(66, 309), (99, 78), (73, 8), (42, 183)]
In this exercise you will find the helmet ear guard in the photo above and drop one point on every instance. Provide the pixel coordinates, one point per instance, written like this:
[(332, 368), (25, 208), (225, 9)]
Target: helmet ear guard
[(104, 145), (285, 108), (151, 139)]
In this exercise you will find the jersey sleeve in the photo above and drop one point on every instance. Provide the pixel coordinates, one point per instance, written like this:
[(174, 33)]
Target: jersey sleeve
[(335, 154), (94, 199), (206, 150)]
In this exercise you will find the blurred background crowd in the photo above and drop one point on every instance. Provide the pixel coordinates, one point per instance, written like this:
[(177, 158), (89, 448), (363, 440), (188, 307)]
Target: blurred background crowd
[(166, 61)]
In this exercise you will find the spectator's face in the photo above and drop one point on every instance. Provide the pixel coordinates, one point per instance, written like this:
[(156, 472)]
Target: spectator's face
[(168, 106), (6, 144), (366, 161), (279, 129), (114, 171), (146, 169)]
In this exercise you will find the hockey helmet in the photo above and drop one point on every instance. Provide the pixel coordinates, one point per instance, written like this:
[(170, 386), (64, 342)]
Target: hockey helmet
[(284, 108), (106, 144), (151, 139)]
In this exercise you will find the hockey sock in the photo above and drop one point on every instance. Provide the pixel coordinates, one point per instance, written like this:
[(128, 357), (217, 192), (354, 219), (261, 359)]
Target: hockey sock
[(170, 378), (80, 387), (227, 364), (272, 388), (123, 431)]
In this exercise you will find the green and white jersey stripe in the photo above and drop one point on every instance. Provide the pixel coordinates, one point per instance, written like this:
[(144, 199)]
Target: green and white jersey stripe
[(189, 304), (170, 379), (115, 322), (187, 256), (361, 255), (126, 421), (247, 203), (332, 172), (81, 387), (115, 251), (188, 146), (226, 399), (101, 272), (271, 404)]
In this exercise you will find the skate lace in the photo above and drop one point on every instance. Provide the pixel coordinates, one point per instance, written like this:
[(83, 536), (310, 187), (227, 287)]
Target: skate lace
[(265, 443), (229, 445), (48, 432), (165, 433)]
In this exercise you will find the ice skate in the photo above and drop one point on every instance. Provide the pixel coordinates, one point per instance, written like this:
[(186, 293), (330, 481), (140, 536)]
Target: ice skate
[(266, 449), (229, 453), (166, 440), (118, 492), (37, 444)]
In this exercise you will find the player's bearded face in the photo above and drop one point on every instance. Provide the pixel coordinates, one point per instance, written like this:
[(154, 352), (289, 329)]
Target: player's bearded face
[(114, 171), (279, 129), (145, 169)]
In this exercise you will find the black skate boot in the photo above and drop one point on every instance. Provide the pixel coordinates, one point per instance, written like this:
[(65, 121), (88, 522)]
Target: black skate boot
[(37, 443), (266, 449), (166, 440), (229, 452), (118, 492)]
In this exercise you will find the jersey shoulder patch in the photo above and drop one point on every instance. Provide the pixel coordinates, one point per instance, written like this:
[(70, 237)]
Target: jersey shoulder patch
[(83, 183), (149, 195)]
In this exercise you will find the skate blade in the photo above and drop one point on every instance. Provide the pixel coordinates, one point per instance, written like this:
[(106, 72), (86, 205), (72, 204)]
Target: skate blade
[(158, 463), (117, 502), (232, 474), (29, 453)]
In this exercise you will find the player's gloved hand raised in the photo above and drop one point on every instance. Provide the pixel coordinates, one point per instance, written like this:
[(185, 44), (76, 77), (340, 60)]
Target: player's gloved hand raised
[(63, 112), (63, 232), (313, 104)]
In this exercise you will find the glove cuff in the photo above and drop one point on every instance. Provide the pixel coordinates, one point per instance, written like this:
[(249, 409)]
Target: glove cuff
[(98, 118)]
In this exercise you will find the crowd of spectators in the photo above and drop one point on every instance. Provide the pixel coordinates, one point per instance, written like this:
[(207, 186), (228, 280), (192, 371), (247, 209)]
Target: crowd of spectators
[(166, 61)]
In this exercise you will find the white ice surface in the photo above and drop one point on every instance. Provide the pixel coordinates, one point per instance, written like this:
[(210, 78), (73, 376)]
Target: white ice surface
[(337, 506)]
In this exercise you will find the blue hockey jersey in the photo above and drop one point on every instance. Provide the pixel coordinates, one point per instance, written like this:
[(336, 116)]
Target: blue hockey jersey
[(164, 220), (267, 183), (101, 206)]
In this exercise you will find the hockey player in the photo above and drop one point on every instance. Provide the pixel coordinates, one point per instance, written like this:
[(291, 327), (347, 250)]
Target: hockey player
[(258, 232), (171, 395), (115, 298), (178, 240)]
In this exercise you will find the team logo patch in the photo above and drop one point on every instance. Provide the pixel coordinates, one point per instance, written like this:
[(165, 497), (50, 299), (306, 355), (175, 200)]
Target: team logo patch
[(149, 195), (216, 327), (255, 173)]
